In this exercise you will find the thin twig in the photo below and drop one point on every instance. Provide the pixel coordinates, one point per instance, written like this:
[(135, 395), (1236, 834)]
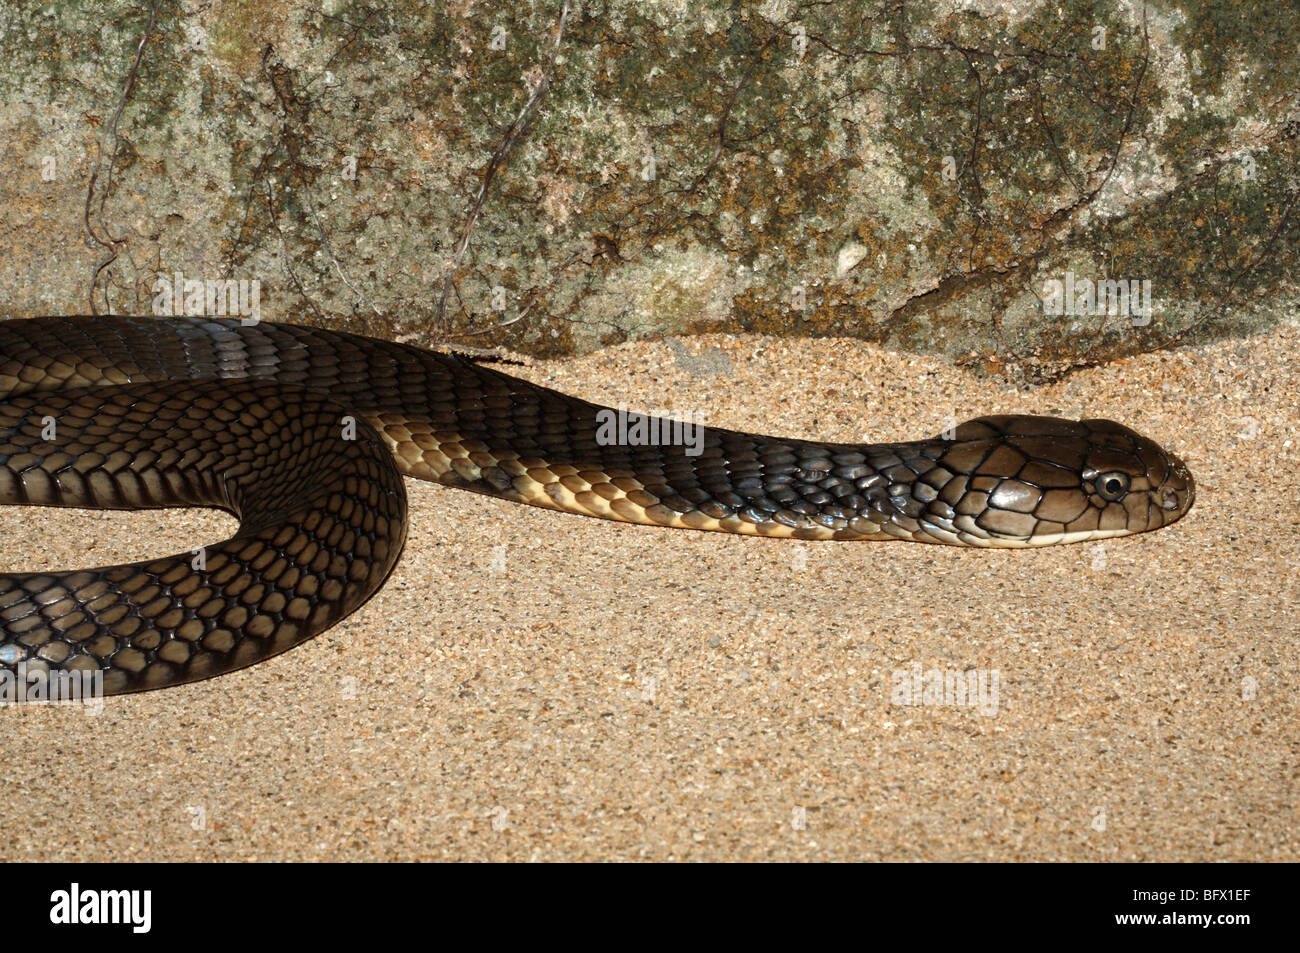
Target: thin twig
[(507, 143), (284, 250), (329, 250), (483, 355), (109, 241), (495, 327), (310, 202)]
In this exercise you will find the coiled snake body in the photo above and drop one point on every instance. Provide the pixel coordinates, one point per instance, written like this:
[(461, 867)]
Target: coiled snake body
[(305, 436)]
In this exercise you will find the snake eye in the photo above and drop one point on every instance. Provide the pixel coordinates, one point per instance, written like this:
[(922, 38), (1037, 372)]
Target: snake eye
[(1111, 485)]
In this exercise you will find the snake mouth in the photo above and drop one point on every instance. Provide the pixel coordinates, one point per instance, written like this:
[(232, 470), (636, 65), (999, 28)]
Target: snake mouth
[(1177, 492)]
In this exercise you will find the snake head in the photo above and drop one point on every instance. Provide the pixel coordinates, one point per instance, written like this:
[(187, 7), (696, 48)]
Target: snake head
[(1032, 481)]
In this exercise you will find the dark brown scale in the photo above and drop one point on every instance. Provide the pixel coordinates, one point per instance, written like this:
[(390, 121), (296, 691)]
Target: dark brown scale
[(279, 464)]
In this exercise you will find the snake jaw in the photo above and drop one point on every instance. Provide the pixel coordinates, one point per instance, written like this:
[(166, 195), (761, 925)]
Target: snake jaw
[(1177, 491)]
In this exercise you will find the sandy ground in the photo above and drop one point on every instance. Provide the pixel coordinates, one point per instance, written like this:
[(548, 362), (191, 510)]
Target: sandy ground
[(537, 686)]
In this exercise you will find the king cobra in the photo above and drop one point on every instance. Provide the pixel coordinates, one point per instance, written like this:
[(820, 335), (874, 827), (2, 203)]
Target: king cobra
[(305, 435)]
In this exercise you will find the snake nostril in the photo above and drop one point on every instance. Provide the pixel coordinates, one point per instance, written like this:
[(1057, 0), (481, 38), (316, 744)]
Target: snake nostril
[(1170, 500)]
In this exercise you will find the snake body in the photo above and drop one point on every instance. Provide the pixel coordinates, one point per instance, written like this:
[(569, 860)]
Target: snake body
[(305, 435)]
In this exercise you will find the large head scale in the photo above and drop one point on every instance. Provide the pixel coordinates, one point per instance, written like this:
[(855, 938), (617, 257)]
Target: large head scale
[(1033, 481)]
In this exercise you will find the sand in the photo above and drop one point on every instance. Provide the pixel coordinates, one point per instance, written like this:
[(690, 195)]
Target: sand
[(537, 686)]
